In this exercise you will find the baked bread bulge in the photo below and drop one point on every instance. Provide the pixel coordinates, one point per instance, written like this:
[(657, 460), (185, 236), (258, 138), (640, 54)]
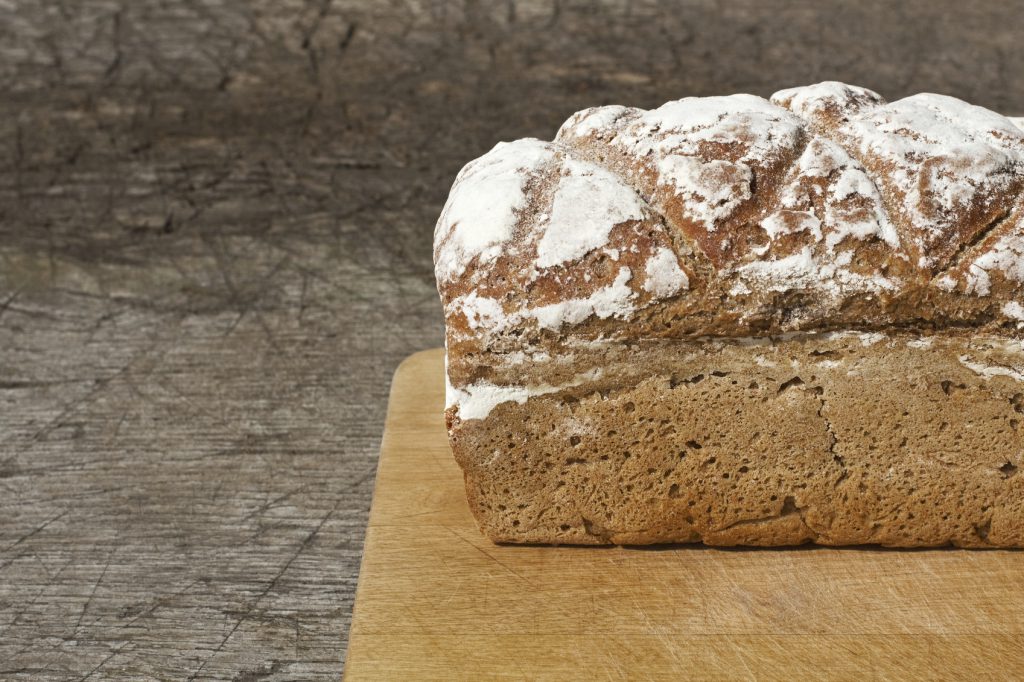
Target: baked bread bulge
[(734, 320)]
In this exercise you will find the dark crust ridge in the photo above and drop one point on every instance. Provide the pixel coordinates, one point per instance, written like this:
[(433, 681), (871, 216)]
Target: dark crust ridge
[(945, 266)]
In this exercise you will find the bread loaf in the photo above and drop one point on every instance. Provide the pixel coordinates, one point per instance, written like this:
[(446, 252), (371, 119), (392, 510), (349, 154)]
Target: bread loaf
[(734, 320)]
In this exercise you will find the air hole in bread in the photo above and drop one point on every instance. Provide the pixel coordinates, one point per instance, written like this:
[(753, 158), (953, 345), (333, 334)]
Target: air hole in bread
[(795, 381)]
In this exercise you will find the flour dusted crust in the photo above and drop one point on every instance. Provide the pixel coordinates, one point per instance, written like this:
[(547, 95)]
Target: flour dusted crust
[(824, 210)]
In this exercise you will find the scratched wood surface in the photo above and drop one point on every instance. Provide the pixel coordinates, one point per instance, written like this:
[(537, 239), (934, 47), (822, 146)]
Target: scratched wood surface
[(215, 225), (437, 600)]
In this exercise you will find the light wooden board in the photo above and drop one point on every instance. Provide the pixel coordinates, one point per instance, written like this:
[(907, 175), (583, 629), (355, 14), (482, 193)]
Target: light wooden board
[(437, 600)]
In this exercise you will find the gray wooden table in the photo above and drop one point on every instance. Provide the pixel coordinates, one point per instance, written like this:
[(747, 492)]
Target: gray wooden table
[(215, 226)]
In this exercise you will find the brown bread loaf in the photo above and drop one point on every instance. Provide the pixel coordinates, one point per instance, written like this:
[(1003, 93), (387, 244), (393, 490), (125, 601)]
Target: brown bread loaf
[(742, 321)]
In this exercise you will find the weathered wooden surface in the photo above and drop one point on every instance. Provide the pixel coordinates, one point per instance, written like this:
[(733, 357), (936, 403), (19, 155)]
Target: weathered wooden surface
[(438, 600), (215, 223)]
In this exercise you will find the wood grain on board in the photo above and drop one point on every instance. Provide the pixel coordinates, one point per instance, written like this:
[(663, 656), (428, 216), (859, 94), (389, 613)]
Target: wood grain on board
[(437, 600)]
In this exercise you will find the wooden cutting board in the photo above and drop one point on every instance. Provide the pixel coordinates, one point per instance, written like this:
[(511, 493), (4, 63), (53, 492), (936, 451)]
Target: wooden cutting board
[(437, 600)]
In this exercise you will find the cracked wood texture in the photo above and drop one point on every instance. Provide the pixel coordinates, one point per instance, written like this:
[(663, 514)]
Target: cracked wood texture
[(215, 229)]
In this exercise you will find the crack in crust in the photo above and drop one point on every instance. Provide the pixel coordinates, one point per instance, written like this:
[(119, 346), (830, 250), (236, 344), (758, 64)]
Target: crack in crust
[(823, 208)]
